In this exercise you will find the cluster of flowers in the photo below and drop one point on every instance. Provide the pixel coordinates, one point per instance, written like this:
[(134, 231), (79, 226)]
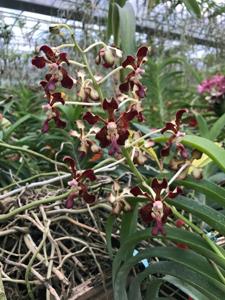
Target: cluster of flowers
[(57, 75), (213, 89), (114, 130), (215, 86)]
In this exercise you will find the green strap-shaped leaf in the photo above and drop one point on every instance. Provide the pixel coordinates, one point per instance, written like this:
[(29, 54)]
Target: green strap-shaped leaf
[(192, 240), (115, 24), (213, 192), (217, 128), (193, 7), (197, 280), (202, 125), (134, 291), (127, 28), (109, 20), (205, 213), (216, 153), (187, 258), (129, 227), (129, 223), (113, 21), (108, 230), (12, 128), (185, 287), (152, 291), (121, 2)]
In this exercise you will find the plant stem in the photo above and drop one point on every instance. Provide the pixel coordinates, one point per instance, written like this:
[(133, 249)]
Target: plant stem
[(64, 46), (94, 45), (31, 263), (212, 245), (220, 275), (31, 205), (29, 179), (131, 165), (143, 137), (73, 62), (77, 103), (5, 145), (34, 184), (95, 84), (2, 290), (128, 100), (186, 165), (105, 168), (110, 74)]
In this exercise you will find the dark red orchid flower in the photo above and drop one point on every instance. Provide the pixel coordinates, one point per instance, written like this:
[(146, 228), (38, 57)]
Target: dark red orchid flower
[(115, 132), (174, 127), (156, 210), (57, 73), (132, 82), (78, 188), (52, 112), (50, 57)]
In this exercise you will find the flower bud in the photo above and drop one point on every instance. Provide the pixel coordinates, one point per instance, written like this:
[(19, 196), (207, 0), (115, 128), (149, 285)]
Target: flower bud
[(196, 154), (179, 223), (197, 173)]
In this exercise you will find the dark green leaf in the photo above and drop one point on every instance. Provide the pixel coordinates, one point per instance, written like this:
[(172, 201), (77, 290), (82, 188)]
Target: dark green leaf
[(185, 287), (134, 291), (153, 288), (127, 28), (109, 20), (115, 24), (121, 2), (190, 262), (192, 240), (108, 231), (216, 153), (129, 227), (213, 192), (13, 127), (202, 125), (217, 128), (197, 280), (205, 213), (193, 7)]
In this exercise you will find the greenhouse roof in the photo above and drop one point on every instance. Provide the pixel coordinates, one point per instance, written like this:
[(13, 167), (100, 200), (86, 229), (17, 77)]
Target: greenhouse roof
[(161, 21)]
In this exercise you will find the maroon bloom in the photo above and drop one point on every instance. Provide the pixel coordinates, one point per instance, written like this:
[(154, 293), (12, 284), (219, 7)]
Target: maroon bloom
[(54, 60), (174, 127), (115, 132), (132, 81), (156, 210), (50, 57), (78, 188), (86, 142), (52, 112)]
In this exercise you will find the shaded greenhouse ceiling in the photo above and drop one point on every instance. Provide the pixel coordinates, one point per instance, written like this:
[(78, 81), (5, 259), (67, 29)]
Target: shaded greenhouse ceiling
[(160, 22)]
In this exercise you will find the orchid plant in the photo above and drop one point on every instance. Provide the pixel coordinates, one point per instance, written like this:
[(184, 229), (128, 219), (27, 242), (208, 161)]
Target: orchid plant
[(111, 135)]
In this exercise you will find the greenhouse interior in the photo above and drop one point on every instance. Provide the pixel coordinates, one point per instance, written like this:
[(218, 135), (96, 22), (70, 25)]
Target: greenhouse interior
[(112, 150)]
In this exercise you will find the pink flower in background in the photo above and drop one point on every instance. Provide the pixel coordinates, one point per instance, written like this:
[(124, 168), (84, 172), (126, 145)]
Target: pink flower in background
[(214, 85)]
